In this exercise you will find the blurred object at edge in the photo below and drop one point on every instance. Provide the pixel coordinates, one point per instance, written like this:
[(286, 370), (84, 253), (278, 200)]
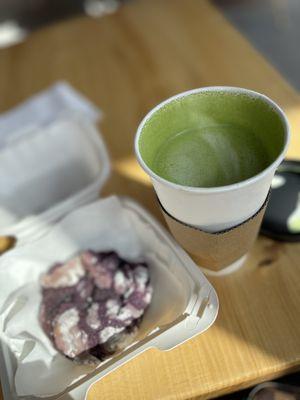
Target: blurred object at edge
[(274, 391), (19, 17)]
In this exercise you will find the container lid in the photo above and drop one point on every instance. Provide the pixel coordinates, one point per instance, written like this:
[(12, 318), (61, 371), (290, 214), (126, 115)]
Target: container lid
[(52, 159), (43, 108), (48, 171)]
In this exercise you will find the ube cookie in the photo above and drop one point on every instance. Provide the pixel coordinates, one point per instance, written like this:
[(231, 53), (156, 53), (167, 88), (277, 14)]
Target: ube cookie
[(93, 303)]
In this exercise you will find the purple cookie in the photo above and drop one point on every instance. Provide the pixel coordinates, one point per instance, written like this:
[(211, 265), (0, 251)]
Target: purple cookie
[(94, 303)]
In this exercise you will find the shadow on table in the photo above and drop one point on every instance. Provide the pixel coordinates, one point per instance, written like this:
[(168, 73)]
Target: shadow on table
[(259, 303)]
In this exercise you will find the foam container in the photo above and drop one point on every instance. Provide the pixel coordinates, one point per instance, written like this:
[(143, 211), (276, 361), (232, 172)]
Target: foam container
[(54, 216)]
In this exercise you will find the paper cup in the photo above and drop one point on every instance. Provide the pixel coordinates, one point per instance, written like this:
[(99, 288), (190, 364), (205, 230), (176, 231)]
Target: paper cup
[(214, 209)]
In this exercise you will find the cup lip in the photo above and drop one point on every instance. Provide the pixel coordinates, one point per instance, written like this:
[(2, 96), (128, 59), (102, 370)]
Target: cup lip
[(217, 189)]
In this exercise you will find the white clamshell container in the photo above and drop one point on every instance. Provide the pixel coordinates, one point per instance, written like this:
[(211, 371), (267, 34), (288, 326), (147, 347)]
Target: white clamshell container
[(53, 180)]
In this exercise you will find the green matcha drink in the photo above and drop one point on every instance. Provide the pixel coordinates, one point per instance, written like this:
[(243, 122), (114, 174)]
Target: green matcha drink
[(211, 139), (211, 154)]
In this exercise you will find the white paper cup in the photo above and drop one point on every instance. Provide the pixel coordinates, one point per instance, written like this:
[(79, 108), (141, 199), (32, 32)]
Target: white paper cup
[(215, 208)]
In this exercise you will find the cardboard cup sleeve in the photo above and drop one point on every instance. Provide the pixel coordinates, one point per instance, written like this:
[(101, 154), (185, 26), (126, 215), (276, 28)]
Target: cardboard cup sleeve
[(218, 250)]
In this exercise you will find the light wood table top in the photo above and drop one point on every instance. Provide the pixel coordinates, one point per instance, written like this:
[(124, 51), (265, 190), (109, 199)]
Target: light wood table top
[(126, 63)]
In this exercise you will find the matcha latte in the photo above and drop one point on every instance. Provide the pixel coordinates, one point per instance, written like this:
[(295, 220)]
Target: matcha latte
[(211, 139)]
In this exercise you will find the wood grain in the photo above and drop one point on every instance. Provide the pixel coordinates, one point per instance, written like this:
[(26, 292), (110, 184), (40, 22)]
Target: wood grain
[(126, 63), (6, 243)]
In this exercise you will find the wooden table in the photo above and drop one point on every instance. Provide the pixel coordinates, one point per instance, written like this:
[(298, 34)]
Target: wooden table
[(126, 63)]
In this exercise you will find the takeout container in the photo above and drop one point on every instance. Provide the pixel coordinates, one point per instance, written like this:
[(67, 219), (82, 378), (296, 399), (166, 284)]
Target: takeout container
[(50, 207)]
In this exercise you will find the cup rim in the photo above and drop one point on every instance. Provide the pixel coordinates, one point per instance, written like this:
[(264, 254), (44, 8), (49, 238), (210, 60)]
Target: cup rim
[(217, 189)]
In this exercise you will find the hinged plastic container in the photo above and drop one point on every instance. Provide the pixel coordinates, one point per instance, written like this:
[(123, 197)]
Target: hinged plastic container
[(58, 174)]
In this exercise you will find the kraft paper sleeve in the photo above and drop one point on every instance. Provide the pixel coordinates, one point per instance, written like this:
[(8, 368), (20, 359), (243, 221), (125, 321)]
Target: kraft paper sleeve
[(219, 249)]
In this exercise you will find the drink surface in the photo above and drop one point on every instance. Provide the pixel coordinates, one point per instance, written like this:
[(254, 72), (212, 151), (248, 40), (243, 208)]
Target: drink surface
[(210, 156), (211, 139)]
